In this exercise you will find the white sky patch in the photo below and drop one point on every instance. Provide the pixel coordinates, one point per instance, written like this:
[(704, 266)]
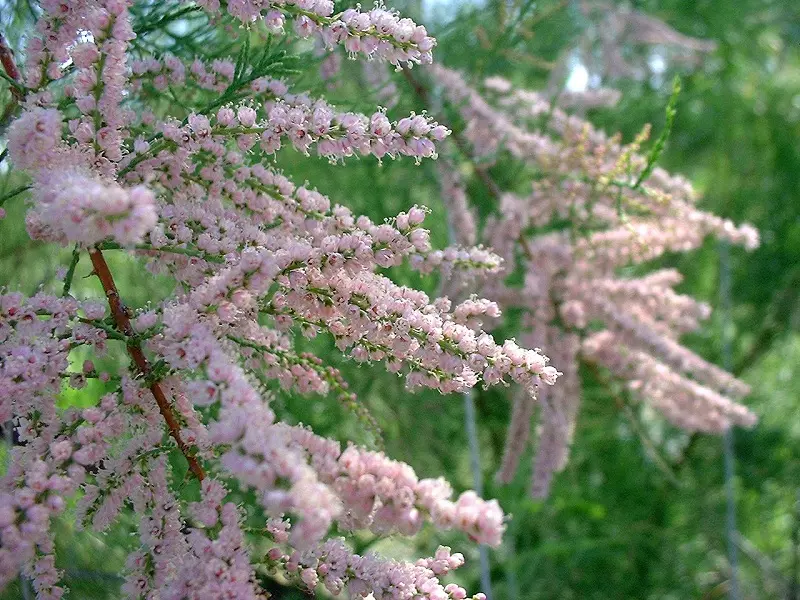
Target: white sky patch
[(578, 80), (657, 63)]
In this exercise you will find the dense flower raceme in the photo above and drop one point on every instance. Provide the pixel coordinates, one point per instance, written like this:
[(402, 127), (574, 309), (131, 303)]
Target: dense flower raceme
[(334, 566), (588, 212), (74, 207), (379, 33), (256, 258)]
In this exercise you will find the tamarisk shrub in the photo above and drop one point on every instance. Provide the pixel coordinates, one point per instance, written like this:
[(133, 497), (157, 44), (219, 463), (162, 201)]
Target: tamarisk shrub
[(256, 258), (584, 207)]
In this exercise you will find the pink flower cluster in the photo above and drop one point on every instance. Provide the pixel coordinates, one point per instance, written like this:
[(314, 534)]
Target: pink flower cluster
[(304, 122), (477, 258), (587, 215), (217, 564), (559, 413), (408, 331), (335, 567), (386, 495), (340, 135), (25, 539), (657, 383), (98, 87), (380, 33), (76, 207), (34, 139), (57, 452), (36, 335), (163, 545)]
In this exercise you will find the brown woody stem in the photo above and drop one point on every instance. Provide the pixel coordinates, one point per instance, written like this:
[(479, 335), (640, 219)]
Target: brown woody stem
[(9, 66), (123, 323), (12, 73)]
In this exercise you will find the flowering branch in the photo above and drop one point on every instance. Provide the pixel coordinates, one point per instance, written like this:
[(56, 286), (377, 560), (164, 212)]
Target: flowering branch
[(203, 199), (123, 322), (587, 214), (212, 258)]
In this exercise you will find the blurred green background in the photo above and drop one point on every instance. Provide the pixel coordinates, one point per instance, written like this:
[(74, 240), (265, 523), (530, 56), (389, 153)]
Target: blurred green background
[(619, 524)]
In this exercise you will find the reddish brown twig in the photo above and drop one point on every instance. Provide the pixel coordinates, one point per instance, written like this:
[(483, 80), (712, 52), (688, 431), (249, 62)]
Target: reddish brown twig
[(10, 67), (123, 322)]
